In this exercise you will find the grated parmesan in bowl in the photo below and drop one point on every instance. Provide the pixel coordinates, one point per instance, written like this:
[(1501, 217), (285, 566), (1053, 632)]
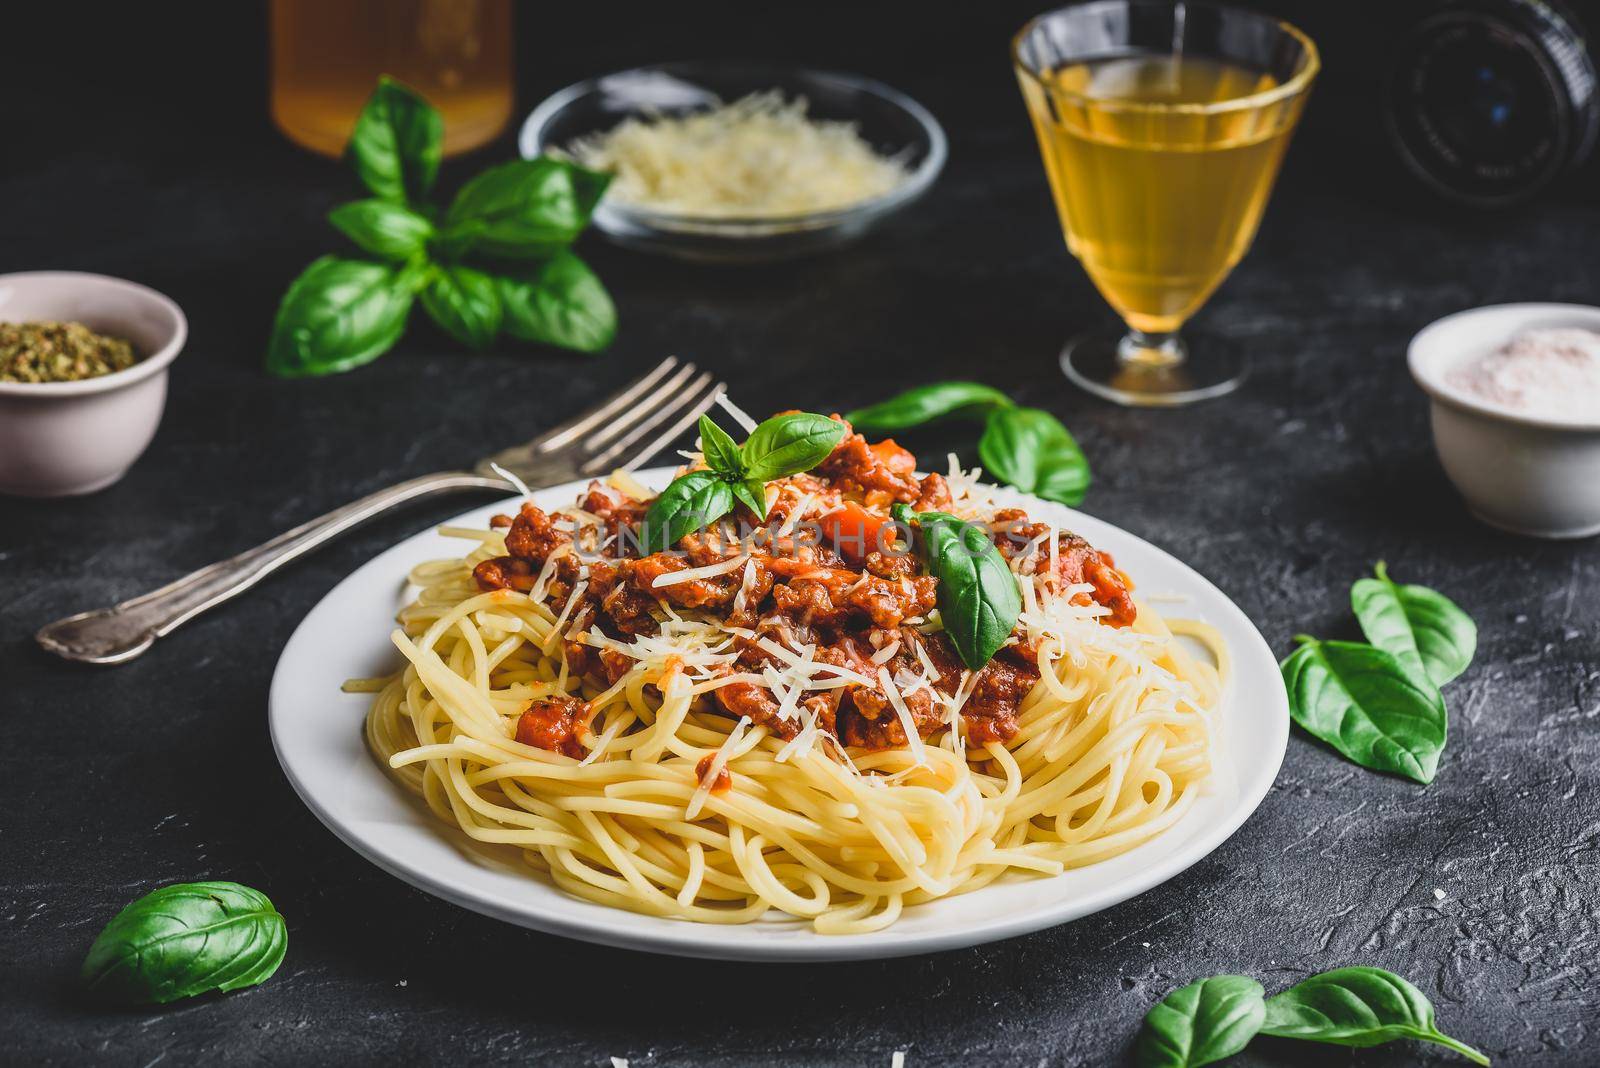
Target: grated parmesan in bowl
[(758, 157), (741, 162)]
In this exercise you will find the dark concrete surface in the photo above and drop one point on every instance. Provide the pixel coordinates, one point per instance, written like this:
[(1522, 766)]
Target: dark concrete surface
[(114, 781)]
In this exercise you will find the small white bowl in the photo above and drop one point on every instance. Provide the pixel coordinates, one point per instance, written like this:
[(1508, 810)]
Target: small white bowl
[(63, 438), (1529, 474)]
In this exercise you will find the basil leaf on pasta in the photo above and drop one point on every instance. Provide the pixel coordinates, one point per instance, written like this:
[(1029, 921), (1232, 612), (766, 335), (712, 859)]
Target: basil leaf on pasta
[(1367, 705), (978, 598), (789, 444), (720, 450), (692, 502), (1421, 628), (1200, 1023), (184, 940), (752, 493), (1357, 1007)]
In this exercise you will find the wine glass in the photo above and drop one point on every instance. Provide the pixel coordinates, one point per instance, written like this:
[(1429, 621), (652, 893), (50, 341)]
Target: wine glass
[(1162, 126)]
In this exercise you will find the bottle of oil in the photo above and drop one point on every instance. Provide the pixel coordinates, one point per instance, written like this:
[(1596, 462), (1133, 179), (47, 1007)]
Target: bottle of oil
[(327, 56)]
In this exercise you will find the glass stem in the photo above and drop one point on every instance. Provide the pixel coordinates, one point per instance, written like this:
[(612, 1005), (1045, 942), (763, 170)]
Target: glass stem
[(1150, 351)]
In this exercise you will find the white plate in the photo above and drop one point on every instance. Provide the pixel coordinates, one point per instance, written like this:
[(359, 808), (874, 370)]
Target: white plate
[(317, 732)]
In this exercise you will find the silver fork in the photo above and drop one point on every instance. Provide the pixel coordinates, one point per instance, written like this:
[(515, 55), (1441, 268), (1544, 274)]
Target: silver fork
[(622, 432)]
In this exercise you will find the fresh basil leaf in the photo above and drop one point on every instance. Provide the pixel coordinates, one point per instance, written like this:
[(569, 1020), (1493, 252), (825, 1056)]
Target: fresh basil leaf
[(1200, 1023), (924, 404), (559, 303), (752, 493), (789, 444), (1421, 628), (184, 940), (525, 209), (1364, 703), (978, 598), (1357, 1007), (397, 143), (691, 502), (720, 450), (465, 303), (339, 314), (383, 229), (1029, 448)]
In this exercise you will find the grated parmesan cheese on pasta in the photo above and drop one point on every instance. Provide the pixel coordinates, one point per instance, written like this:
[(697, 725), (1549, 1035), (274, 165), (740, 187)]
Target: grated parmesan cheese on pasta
[(757, 157)]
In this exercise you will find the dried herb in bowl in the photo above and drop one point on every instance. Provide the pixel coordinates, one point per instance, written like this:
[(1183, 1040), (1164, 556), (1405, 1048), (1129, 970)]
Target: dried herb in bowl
[(59, 352)]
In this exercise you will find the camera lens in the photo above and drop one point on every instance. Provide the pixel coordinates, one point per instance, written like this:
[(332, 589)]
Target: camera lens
[(1490, 100)]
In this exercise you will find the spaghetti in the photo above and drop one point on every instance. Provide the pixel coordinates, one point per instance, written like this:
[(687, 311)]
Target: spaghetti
[(673, 806)]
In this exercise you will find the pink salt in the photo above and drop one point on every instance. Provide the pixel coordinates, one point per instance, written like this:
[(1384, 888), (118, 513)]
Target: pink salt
[(1554, 372)]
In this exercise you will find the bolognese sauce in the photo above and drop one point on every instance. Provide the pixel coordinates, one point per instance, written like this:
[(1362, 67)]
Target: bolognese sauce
[(846, 596)]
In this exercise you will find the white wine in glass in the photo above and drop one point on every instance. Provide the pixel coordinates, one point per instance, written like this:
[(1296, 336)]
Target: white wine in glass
[(1162, 127)]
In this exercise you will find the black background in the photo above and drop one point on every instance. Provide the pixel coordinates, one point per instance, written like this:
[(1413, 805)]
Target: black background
[(136, 143)]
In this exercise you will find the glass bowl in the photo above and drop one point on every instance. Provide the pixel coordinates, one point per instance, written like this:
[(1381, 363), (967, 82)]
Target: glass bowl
[(891, 122)]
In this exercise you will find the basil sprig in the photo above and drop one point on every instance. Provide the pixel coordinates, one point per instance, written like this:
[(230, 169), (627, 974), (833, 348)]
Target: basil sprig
[(978, 597), (184, 940), (1358, 1007), (925, 404), (1023, 447), (397, 143), (340, 314), (496, 262), (1201, 1023), (1029, 448), (783, 445), (1421, 628), (1364, 703), (388, 231), (1380, 704), (1215, 1018)]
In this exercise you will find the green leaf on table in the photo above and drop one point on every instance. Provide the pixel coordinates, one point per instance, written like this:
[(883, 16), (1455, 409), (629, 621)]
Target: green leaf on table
[(525, 209), (1200, 1023), (465, 303), (1367, 705), (1357, 1007), (925, 404), (789, 444), (184, 940), (1029, 448), (1422, 628), (978, 597), (720, 450), (397, 143), (339, 314), (560, 302), (691, 502), (391, 231)]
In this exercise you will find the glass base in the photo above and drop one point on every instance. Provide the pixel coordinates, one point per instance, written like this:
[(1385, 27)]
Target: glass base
[(1145, 371)]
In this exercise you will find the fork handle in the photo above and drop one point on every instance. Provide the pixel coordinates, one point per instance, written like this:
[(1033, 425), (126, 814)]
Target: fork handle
[(120, 633)]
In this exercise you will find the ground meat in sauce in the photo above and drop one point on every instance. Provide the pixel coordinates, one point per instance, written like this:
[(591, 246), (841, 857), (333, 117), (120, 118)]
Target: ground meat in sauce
[(1077, 561), (797, 594), (553, 723)]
